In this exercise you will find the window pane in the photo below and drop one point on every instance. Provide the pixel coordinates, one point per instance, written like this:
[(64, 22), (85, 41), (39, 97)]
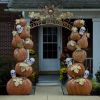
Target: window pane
[(45, 38), (49, 38)]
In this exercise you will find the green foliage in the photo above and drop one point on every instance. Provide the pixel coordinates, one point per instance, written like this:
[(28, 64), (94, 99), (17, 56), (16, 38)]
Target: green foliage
[(95, 85), (98, 75)]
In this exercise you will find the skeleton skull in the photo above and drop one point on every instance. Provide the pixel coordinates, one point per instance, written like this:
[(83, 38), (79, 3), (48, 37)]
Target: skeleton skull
[(19, 28), (13, 73), (30, 61), (86, 73), (68, 61), (82, 30)]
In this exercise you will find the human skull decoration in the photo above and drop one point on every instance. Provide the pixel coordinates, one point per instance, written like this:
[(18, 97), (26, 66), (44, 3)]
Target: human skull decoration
[(30, 61), (13, 73), (82, 30), (68, 61), (86, 73), (19, 28)]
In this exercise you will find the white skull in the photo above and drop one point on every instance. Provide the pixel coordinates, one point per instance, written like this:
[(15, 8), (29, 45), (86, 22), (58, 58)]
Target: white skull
[(30, 61), (86, 73), (82, 30), (13, 73), (68, 61), (19, 28)]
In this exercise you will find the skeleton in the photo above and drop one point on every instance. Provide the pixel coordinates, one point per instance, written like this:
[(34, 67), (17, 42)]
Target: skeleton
[(86, 73), (19, 28), (68, 61), (13, 73), (82, 30), (30, 61)]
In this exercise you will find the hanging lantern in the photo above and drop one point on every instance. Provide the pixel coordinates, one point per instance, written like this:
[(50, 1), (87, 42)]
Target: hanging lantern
[(19, 86), (20, 54)]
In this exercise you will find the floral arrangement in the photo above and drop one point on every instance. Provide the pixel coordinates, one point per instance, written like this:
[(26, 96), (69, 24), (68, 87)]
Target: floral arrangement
[(63, 73)]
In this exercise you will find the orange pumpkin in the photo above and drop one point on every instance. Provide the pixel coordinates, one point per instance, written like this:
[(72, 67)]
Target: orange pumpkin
[(20, 54), (79, 23), (17, 41), (76, 70), (79, 87), (79, 55), (23, 22), (23, 69), (24, 34), (83, 42), (75, 36), (23, 88), (71, 45), (28, 44)]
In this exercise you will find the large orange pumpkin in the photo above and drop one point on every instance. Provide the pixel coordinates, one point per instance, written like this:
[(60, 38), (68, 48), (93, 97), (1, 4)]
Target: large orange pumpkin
[(79, 87), (83, 42), (24, 34), (79, 23), (28, 43), (23, 87), (20, 54), (79, 55), (71, 45), (23, 69), (17, 41), (23, 22), (75, 36), (76, 70)]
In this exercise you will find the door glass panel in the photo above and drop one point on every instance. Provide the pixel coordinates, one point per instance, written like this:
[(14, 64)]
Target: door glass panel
[(50, 42)]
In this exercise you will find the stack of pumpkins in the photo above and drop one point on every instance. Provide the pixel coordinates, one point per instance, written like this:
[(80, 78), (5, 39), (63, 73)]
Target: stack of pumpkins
[(21, 42), (78, 85)]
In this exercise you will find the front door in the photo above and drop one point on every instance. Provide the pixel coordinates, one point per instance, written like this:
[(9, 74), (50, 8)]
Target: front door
[(49, 48)]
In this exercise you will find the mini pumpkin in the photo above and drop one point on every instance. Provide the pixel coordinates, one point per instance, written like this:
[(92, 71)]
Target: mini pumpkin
[(24, 34), (19, 86), (83, 42), (75, 36), (23, 69), (76, 70), (79, 86), (23, 22), (79, 23), (71, 45), (79, 55), (17, 41), (20, 54), (28, 44)]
